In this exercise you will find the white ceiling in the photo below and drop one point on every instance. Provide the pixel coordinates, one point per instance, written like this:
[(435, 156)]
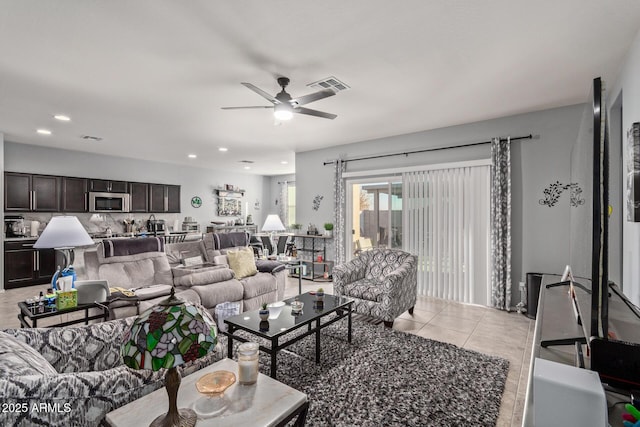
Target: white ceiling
[(150, 76)]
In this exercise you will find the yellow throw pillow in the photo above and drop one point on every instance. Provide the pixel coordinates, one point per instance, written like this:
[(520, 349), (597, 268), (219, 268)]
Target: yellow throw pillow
[(242, 262)]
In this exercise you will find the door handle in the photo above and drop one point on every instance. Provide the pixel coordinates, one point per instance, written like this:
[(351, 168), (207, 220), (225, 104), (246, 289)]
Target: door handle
[(37, 254)]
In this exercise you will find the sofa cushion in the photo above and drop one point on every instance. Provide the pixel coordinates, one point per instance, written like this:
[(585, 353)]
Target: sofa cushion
[(184, 276), (364, 289), (18, 358), (242, 263)]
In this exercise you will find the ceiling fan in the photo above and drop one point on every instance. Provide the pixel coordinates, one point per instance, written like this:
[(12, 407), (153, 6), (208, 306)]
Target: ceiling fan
[(284, 105)]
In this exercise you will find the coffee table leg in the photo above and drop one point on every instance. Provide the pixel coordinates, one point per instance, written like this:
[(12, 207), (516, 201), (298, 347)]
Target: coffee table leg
[(230, 342), (274, 352), (349, 327), (318, 341)]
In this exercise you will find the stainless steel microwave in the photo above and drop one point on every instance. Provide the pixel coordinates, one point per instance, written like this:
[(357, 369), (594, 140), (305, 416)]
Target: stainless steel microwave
[(108, 202)]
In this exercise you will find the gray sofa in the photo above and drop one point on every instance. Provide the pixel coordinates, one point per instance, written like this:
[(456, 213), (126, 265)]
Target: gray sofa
[(150, 269), (76, 371)]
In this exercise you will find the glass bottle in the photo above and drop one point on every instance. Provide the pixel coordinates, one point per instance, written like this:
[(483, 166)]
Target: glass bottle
[(248, 363)]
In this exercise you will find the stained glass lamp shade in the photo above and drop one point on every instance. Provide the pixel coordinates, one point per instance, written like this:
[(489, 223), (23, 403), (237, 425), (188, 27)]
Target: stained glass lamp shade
[(168, 335)]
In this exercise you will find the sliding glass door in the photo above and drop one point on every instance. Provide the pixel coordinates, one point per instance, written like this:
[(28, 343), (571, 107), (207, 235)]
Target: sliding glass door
[(374, 214), (440, 214)]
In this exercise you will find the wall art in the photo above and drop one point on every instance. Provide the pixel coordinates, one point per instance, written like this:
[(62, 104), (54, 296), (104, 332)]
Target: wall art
[(553, 192), (196, 201), (316, 202), (633, 173)]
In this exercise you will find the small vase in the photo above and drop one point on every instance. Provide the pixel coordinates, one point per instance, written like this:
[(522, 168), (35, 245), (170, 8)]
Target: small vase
[(264, 315)]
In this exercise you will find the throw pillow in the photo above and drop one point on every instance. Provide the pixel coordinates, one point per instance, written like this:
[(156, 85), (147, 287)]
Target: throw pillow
[(18, 358), (242, 263)]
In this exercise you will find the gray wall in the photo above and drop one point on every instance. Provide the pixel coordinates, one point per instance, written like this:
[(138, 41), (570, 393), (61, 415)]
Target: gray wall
[(540, 235), (627, 88)]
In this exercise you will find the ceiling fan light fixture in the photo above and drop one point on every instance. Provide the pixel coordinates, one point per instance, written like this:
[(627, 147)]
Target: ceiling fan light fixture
[(282, 112)]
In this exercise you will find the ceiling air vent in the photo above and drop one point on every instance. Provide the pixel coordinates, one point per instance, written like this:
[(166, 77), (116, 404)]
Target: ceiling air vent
[(91, 138), (329, 83), (249, 162)]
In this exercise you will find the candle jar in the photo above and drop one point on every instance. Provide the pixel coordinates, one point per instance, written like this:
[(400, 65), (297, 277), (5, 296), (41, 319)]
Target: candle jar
[(248, 363)]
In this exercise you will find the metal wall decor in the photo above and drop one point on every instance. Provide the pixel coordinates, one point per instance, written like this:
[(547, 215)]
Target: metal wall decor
[(553, 192), (316, 202)]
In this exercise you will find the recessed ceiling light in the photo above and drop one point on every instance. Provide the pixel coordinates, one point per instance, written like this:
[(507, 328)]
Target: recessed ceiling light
[(247, 167), (192, 156), (62, 117), (284, 162), (44, 131), (223, 149)]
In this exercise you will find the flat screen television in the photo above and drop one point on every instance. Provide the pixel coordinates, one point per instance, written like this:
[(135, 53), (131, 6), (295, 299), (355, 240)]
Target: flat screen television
[(589, 220)]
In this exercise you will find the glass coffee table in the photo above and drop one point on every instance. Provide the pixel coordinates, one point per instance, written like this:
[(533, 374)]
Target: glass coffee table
[(279, 325)]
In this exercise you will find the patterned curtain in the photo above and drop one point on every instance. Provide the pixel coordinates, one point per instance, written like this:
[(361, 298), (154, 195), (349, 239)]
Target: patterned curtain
[(501, 223), (339, 203)]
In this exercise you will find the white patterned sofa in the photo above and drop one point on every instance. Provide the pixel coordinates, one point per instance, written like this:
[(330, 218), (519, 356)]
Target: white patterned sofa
[(71, 376), (382, 283)]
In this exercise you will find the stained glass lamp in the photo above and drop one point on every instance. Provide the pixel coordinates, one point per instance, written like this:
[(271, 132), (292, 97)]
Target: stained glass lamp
[(168, 335)]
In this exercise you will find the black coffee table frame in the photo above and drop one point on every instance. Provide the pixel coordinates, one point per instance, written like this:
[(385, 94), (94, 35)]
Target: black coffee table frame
[(311, 317), (27, 314)]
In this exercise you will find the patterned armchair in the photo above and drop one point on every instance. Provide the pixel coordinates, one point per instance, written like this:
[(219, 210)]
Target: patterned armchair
[(71, 376), (382, 282)]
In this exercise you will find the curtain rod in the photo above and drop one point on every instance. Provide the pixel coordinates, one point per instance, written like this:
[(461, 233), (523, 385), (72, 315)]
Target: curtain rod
[(286, 182), (406, 153)]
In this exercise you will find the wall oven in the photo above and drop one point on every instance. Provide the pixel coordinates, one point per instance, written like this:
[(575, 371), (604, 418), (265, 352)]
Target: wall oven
[(108, 202)]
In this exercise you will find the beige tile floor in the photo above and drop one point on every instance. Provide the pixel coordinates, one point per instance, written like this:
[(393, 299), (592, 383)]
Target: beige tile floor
[(482, 329)]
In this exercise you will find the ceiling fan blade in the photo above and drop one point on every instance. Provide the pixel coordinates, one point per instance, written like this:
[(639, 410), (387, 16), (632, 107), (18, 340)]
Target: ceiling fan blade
[(306, 99), (261, 93), (244, 108), (316, 113)]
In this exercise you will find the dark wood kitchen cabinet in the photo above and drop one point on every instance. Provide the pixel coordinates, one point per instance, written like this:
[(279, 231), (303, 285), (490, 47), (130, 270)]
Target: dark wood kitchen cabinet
[(164, 198), (26, 266), (139, 192), (74, 194), (31, 193), (108, 186)]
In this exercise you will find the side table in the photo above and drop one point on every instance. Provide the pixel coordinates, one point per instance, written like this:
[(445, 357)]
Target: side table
[(265, 403), (27, 315)]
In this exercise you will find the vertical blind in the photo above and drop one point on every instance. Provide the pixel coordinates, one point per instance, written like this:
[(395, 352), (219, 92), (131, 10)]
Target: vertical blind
[(446, 223)]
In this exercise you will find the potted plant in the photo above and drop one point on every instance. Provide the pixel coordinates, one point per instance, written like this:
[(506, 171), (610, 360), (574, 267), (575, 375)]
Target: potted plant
[(320, 294), (328, 229), (264, 312), (296, 227)]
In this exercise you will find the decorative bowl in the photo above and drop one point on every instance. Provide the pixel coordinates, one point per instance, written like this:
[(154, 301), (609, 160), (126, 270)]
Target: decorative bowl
[(296, 307), (274, 309)]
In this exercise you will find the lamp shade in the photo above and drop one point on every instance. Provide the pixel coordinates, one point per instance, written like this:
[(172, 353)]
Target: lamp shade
[(168, 335), (273, 223), (63, 232)]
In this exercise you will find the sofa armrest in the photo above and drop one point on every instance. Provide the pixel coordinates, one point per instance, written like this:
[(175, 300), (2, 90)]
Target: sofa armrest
[(94, 347)]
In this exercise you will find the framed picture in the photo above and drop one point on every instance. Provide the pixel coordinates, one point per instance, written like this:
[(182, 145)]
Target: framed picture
[(228, 187), (633, 173)]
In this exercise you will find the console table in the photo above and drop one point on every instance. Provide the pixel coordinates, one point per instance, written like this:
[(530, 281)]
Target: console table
[(556, 332), (312, 246)]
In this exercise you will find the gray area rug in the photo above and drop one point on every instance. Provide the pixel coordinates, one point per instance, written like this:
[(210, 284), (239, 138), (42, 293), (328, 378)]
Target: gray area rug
[(391, 378)]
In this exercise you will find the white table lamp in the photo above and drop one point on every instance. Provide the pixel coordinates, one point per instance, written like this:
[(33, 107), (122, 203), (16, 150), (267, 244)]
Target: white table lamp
[(273, 224), (64, 233)]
